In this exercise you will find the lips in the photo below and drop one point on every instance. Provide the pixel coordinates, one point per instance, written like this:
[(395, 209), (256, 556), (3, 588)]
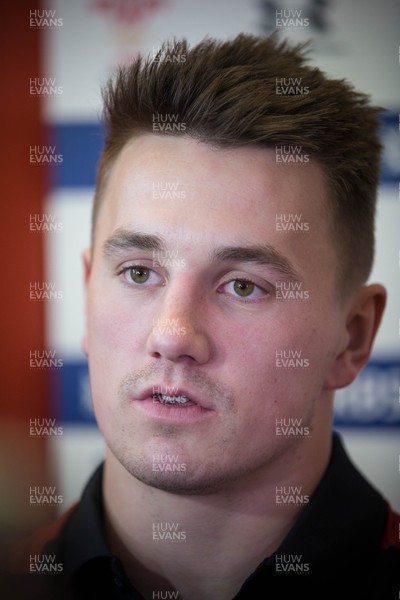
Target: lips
[(176, 405), (171, 400), (171, 396)]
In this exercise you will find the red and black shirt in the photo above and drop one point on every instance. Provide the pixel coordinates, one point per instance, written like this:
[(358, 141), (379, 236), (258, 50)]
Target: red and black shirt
[(345, 544)]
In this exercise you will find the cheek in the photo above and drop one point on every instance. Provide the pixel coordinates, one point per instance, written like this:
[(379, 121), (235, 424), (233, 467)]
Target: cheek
[(110, 359), (280, 362), (110, 338), (113, 328)]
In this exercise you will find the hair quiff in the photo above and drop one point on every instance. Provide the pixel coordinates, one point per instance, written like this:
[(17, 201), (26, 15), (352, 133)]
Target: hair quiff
[(224, 92)]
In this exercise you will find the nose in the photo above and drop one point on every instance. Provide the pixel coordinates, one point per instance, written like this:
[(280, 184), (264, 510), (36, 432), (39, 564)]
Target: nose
[(178, 331)]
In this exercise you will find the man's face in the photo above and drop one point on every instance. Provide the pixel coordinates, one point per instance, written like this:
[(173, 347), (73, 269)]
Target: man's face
[(202, 287)]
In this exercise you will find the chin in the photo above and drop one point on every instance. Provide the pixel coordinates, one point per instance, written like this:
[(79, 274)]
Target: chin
[(176, 479)]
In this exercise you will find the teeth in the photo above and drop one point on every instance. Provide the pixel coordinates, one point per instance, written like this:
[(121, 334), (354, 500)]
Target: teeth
[(171, 399)]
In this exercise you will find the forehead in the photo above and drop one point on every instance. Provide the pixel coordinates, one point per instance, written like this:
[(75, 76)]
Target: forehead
[(250, 178), (195, 194)]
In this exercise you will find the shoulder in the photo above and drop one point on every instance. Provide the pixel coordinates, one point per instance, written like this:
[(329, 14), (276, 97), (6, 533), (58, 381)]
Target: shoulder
[(391, 535), (383, 575)]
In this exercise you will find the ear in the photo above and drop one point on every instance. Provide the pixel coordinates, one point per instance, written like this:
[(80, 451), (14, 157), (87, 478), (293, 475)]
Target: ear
[(363, 319), (87, 267)]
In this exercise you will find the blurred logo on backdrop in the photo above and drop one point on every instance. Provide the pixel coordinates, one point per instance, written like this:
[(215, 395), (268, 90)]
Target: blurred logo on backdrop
[(128, 22), (127, 11)]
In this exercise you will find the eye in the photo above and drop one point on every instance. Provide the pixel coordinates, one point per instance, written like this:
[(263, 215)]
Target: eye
[(244, 288), (138, 274)]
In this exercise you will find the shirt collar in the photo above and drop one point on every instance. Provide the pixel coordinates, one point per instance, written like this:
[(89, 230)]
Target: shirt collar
[(343, 502), (85, 534), (344, 519)]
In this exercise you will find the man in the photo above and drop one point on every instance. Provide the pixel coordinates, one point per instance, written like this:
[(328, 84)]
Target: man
[(226, 301)]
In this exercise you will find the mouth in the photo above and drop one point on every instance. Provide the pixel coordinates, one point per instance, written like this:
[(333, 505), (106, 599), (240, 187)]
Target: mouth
[(174, 400), (174, 404), (173, 396)]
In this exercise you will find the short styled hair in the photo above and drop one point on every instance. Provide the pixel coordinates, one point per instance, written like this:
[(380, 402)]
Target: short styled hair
[(226, 94)]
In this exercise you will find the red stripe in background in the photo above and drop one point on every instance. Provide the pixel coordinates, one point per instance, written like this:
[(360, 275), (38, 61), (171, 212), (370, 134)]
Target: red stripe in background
[(24, 392)]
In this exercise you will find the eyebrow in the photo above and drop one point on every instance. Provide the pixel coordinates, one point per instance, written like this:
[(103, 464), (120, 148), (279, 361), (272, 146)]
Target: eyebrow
[(264, 255), (123, 239)]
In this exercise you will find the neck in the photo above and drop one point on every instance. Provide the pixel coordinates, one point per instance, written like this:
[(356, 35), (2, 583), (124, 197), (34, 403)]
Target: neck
[(167, 541)]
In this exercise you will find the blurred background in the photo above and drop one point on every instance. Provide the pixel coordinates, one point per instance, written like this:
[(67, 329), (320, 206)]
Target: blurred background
[(56, 55)]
